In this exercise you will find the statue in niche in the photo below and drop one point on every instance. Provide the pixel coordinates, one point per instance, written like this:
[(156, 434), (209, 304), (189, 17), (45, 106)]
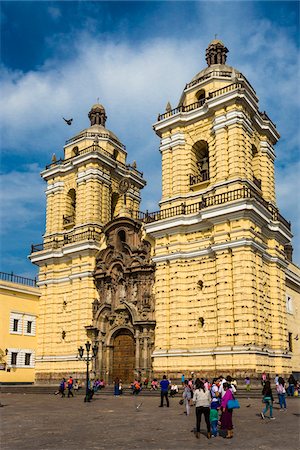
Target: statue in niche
[(96, 304), (122, 291), (108, 295), (134, 293)]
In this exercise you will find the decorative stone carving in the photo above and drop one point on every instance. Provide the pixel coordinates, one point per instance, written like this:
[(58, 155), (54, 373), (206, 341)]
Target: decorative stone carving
[(124, 277)]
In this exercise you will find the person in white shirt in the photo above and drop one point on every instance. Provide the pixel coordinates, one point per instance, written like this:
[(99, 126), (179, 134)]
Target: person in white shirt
[(202, 399)]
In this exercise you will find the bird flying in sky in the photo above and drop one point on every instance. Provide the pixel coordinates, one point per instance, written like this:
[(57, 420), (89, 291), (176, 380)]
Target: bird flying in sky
[(68, 121)]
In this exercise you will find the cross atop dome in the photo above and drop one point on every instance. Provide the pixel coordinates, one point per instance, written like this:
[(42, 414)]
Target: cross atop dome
[(216, 53)]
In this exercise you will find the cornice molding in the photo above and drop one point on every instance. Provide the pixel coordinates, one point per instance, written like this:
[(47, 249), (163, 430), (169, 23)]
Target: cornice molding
[(234, 350), (79, 275), (268, 149), (67, 251), (93, 174), (216, 214)]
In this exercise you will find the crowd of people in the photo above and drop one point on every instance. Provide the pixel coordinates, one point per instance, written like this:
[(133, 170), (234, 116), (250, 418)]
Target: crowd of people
[(214, 400), (291, 388)]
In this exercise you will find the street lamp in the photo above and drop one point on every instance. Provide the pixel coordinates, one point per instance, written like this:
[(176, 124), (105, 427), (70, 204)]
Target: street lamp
[(88, 358)]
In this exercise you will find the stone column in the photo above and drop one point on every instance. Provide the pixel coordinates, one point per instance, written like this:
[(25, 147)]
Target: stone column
[(137, 350)]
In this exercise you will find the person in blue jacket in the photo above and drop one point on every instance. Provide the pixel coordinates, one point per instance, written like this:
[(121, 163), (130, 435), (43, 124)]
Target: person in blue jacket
[(164, 390)]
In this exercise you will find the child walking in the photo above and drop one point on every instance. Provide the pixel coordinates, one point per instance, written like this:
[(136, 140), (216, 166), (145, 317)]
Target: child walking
[(213, 418)]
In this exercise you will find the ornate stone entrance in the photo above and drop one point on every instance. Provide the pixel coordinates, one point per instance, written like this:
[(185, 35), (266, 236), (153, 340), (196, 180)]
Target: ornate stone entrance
[(124, 313), (123, 365)]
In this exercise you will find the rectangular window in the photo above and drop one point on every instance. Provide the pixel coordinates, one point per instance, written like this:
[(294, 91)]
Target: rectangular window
[(13, 360), (16, 324), (289, 304), (29, 327), (27, 359), (290, 342)]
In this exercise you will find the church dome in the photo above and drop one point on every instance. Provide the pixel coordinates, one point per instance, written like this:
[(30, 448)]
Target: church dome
[(216, 55), (97, 107), (98, 118)]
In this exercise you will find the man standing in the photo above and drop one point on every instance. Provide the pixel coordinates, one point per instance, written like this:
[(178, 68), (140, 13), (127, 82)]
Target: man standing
[(62, 387), (164, 386), (70, 387)]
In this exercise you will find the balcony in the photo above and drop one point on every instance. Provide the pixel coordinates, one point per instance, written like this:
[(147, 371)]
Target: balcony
[(181, 108), (257, 182), (60, 240), (246, 192), (68, 220), (94, 149), (199, 104), (12, 278), (202, 176)]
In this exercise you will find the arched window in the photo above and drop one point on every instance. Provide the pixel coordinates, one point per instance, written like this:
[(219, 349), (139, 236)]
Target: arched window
[(200, 162), (200, 96), (75, 151), (122, 236), (114, 201), (69, 217)]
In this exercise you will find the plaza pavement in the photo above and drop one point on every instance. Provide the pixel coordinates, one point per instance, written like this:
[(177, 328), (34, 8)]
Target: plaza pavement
[(47, 422)]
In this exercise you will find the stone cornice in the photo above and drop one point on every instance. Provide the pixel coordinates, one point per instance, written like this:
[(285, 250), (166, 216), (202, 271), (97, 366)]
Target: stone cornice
[(79, 275), (29, 290), (93, 174), (217, 214), (292, 277), (53, 188), (231, 118), (211, 105), (68, 250), (234, 350), (268, 149)]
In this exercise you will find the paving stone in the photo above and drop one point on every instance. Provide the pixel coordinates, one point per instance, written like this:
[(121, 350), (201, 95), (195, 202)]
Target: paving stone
[(48, 422)]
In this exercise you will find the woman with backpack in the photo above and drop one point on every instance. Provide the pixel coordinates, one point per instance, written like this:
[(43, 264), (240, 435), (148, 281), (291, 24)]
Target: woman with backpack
[(281, 393)]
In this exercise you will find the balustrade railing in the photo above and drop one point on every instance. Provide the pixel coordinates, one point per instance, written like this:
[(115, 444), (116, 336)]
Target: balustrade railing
[(215, 73), (213, 200), (59, 240), (257, 182), (196, 105), (182, 108), (94, 135), (67, 220), (94, 148), (202, 176), (17, 279), (225, 89)]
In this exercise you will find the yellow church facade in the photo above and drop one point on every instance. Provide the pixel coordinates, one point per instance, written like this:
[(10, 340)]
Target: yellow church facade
[(202, 284)]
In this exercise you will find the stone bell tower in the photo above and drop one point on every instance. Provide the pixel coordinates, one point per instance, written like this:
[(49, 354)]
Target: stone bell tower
[(219, 239), (91, 185)]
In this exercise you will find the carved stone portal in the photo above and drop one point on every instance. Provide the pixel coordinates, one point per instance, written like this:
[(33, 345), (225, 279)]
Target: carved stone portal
[(124, 313)]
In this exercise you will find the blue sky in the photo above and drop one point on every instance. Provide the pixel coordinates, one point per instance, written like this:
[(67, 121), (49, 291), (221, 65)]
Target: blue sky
[(57, 58)]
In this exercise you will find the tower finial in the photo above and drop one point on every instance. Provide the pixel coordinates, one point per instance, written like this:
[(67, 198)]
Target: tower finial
[(97, 115), (216, 52)]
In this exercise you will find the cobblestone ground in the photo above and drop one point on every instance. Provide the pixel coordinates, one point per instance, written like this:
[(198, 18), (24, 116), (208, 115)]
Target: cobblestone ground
[(31, 422)]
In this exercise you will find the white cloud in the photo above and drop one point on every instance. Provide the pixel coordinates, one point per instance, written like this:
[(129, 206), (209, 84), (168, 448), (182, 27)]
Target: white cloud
[(134, 84)]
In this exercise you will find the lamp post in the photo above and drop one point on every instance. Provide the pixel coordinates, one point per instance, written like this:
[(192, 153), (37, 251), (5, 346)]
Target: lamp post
[(88, 358)]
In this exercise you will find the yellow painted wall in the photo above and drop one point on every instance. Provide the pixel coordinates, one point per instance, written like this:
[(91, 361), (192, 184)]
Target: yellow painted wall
[(23, 300)]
